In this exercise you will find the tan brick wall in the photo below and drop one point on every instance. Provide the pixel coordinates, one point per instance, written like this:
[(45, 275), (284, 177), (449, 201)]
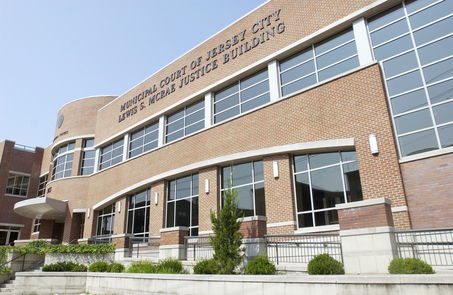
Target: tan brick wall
[(120, 223), (208, 201), (429, 190), (365, 217), (157, 212)]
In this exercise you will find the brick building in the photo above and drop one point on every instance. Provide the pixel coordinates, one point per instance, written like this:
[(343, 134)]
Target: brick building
[(317, 105)]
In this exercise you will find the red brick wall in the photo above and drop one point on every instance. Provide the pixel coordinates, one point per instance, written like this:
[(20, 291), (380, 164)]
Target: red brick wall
[(429, 190), (253, 229), (365, 217), (173, 237)]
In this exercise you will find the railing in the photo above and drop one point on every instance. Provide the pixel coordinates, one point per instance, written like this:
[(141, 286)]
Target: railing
[(301, 248), (197, 247), (23, 261), (148, 244), (105, 239), (434, 246), (24, 147)]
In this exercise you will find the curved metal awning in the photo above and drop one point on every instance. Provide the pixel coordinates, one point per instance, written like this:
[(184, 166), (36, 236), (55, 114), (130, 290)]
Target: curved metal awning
[(42, 208)]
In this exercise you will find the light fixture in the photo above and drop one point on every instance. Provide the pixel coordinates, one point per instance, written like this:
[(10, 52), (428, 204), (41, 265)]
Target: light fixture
[(119, 206), (88, 213), (275, 165), (156, 198), (373, 144), (206, 186)]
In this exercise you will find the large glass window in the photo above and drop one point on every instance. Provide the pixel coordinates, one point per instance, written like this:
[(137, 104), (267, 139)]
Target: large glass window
[(88, 157), (248, 179), (182, 203), (321, 182), (413, 42), (185, 121), (106, 220), (111, 154), (242, 96), (8, 234), (319, 62), (138, 214), (17, 185), (42, 186), (144, 139), (62, 164)]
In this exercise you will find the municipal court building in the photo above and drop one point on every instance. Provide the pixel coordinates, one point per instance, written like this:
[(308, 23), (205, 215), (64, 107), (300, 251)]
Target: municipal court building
[(329, 116)]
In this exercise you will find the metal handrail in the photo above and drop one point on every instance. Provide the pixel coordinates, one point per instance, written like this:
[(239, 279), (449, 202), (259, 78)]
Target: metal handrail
[(141, 240), (101, 238), (23, 261), (197, 245)]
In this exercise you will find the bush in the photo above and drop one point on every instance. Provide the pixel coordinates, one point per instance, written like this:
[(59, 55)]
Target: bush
[(4, 270), (80, 268), (169, 265), (260, 266), (409, 266), (206, 266), (99, 266), (323, 264), (64, 266), (115, 267), (142, 266)]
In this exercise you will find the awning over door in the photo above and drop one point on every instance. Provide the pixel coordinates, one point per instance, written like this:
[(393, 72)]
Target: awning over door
[(42, 208)]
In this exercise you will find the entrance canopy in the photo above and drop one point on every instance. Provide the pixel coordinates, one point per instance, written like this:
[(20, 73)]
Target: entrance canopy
[(42, 208)]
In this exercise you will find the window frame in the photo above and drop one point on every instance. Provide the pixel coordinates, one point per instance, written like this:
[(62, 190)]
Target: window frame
[(112, 147), (88, 146), (42, 185), (131, 210), (13, 188), (183, 118), (105, 214), (65, 152), (142, 146)]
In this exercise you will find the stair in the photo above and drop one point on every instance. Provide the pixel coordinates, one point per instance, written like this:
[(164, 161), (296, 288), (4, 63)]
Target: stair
[(8, 286)]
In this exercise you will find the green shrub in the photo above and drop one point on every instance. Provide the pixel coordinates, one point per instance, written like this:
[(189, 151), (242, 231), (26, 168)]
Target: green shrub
[(115, 267), (99, 266), (142, 266), (169, 265), (4, 270), (323, 264), (409, 266), (260, 266), (60, 266), (206, 266), (80, 268)]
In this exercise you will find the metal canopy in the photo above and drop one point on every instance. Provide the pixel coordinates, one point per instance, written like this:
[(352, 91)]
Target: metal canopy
[(42, 208)]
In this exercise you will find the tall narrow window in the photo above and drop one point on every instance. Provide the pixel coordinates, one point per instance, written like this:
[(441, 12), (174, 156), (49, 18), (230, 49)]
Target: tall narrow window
[(322, 181), (138, 214), (185, 121), (144, 140), (106, 220), (111, 154), (182, 203), (62, 164), (248, 179), (36, 225), (42, 186), (88, 157), (17, 185), (242, 96)]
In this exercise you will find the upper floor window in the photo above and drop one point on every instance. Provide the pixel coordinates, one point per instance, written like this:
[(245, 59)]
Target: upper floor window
[(138, 214), (248, 179), (182, 203), (321, 182), (144, 140), (88, 157), (62, 164), (111, 154), (17, 185), (413, 41), (106, 220), (319, 62), (42, 186), (185, 121), (242, 96), (36, 225)]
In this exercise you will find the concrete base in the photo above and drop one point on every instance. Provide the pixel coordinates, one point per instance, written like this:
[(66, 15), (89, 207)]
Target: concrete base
[(254, 247), (174, 251), (368, 250), (121, 254)]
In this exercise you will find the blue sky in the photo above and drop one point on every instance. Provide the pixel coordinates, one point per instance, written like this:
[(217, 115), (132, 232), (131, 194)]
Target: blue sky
[(56, 51)]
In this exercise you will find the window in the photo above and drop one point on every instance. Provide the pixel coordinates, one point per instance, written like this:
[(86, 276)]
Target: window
[(182, 203), (8, 234), (82, 225), (17, 185), (106, 220), (111, 154), (242, 96), (144, 140), (319, 62), (88, 157), (138, 214), (42, 186), (248, 178), (62, 164), (185, 121), (321, 182), (413, 41), (36, 225)]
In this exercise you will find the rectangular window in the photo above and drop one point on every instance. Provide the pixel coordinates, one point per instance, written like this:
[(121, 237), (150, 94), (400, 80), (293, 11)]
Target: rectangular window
[(62, 164), (321, 182), (319, 62), (248, 179), (185, 121), (144, 140), (36, 225), (17, 185), (106, 219), (42, 186), (88, 157), (8, 234), (413, 41), (138, 214), (242, 96), (111, 154), (182, 203)]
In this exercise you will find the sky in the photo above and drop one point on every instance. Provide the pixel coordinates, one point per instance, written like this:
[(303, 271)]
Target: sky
[(55, 51)]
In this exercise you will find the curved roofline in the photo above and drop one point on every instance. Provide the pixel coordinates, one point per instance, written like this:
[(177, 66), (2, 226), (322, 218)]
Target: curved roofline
[(209, 38), (93, 96)]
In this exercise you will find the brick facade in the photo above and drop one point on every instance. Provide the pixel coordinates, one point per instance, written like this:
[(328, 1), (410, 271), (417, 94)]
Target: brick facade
[(365, 216)]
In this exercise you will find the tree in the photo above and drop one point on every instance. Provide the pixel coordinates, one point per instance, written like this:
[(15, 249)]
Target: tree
[(227, 239)]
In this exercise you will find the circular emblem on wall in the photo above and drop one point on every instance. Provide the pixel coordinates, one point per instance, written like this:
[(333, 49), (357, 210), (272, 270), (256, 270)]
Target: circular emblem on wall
[(60, 121)]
